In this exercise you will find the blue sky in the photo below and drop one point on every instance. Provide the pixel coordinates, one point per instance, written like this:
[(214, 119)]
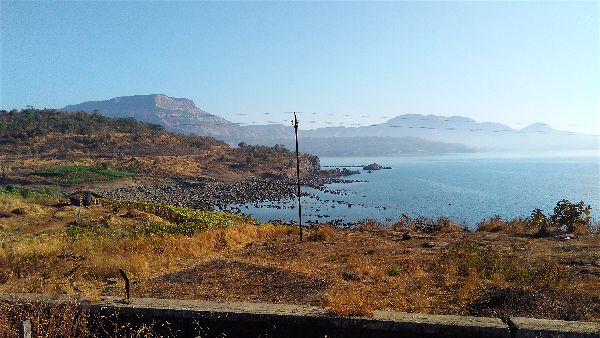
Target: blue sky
[(511, 62)]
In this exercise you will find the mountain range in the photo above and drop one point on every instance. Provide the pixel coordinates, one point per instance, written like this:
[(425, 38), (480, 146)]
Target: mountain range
[(403, 134)]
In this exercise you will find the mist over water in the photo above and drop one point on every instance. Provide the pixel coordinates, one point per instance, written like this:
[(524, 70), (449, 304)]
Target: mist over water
[(464, 187)]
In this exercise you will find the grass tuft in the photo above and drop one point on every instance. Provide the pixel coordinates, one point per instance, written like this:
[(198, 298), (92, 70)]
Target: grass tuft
[(322, 233)]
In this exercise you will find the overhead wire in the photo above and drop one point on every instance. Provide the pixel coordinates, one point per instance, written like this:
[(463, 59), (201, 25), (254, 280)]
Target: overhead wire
[(408, 123)]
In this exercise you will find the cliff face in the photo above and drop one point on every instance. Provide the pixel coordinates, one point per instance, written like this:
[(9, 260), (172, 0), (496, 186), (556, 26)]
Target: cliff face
[(175, 114), (182, 116)]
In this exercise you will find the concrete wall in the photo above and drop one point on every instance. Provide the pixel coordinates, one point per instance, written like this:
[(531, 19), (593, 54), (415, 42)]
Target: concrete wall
[(190, 318)]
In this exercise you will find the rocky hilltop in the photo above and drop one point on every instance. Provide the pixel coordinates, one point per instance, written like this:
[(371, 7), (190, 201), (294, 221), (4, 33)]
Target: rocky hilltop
[(403, 134), (175, 114), (49, 138)]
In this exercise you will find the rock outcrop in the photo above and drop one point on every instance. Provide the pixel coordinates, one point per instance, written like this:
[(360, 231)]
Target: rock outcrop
[(375, 166)]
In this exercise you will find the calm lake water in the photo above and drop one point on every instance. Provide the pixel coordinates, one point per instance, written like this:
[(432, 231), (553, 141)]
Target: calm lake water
[(465, 187)]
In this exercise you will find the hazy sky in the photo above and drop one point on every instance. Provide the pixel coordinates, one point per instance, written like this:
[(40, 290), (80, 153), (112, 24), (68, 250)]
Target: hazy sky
[(509, 62)]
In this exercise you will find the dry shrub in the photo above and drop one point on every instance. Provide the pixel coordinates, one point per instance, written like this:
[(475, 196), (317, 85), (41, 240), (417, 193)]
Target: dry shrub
[(56, 320), (134, 213), (494, 224), (370, 225), (445, 224), (322, 233), (497, 224), (347, 302), (143, 216), (159, 165), (426, 225), (582, 229), (517, 226), (70, 320)]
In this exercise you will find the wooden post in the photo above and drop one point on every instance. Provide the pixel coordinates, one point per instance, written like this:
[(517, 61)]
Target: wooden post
[(298, 175), (126, 284), (25, 329)]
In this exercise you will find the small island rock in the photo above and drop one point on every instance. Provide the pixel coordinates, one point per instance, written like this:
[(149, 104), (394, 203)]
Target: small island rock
[(375, 166)]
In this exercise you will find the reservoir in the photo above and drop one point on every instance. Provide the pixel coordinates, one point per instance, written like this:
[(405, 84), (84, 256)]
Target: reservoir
[(465, 187)]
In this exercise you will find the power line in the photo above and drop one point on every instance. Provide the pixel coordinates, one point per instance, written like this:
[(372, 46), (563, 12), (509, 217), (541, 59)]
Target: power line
[(408, 122)]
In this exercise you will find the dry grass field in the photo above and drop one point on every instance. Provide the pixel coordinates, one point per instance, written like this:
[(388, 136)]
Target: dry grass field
[(170, 252)]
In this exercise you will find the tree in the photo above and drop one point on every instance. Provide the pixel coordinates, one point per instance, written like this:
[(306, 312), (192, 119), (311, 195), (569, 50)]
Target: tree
[(30, 112), (570, 215), (540, 223)]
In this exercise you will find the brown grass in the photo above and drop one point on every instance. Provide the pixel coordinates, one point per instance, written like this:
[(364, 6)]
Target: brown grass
[(84, 265), (348, 301), (439, 269), (65, 320), (58, 263), (497, 224), (322, 233)]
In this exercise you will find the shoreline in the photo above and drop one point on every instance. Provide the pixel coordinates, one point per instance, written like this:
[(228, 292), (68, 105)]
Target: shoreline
[(210, 194)]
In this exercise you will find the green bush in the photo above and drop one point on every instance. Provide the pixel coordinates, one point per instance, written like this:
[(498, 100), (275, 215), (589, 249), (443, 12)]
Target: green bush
[(394, 270), (571, 216), (187, 221), (539, 223), (567, 216), (14, 191)]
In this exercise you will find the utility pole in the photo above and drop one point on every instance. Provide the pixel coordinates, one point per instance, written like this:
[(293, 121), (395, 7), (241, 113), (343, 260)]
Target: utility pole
[(298, 175)]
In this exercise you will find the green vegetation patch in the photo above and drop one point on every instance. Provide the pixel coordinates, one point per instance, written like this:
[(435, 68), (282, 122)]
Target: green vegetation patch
[(467, 257), (174, 221), (394, 270), (81, 174), (14, 191)]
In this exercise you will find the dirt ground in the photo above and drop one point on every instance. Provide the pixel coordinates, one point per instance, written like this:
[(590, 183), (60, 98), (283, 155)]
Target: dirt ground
[(352, 272)]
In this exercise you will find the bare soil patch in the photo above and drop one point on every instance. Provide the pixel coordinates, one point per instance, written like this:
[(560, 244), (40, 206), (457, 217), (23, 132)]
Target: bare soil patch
[(226, 280)]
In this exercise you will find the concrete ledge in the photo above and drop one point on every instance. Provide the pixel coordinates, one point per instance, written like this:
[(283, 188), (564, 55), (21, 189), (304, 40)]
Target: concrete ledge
[(316, 318), (286, 320), (544, 328)]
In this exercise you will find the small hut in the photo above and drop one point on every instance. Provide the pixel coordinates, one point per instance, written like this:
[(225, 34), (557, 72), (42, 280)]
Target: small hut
[(83, 198)]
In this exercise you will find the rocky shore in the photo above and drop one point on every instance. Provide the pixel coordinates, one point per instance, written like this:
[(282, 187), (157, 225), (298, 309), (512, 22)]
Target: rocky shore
[(337, 172), (208, 194)]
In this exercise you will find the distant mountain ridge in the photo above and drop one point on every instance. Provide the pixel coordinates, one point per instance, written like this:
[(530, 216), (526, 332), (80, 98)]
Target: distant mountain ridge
[(463, 134), (484, 136), (176, 114)]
